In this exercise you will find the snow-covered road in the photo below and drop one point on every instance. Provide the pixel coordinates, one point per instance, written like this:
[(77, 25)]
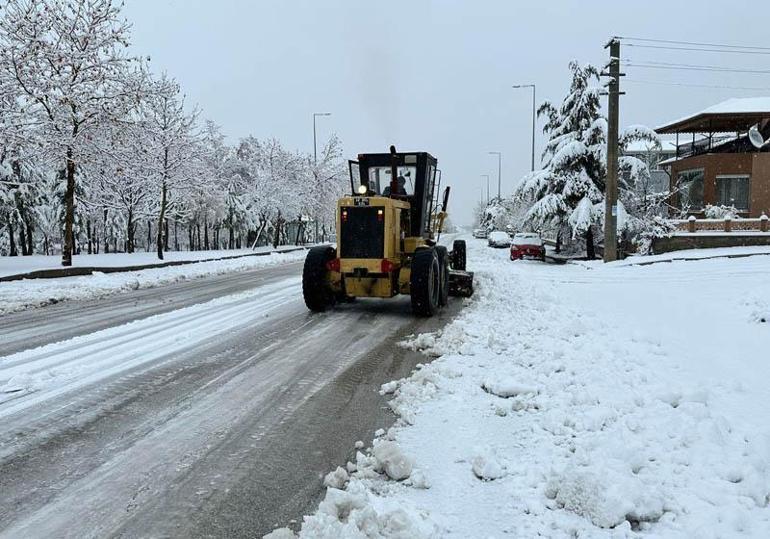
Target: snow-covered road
[(582, 400), (208, 407)]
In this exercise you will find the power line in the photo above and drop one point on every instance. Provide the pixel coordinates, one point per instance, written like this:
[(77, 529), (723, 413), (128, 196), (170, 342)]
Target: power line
[(689, 85), (698, 49), (685, 67), (629, 61), (693, 43)]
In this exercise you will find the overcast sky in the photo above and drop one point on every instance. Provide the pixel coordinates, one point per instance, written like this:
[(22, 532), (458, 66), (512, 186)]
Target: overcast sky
[(433, 75)]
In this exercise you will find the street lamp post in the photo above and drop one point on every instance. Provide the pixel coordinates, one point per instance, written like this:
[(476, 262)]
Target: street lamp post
[(487, 177), (499, 172), (534, 116), (315, 144)]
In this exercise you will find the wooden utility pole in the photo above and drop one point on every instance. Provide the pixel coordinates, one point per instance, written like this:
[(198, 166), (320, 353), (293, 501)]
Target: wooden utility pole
[(611, 188)]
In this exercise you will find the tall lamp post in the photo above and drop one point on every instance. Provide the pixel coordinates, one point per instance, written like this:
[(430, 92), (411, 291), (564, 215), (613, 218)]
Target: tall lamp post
[(315, 144), (534, 116), (499, 172), (487, 177)]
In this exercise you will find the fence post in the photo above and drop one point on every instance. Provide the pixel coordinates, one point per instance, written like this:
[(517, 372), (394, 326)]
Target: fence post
[(728, 223), (763, 223), (691, 224)]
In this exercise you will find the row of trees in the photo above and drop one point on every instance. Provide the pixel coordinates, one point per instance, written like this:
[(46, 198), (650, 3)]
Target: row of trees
[(566, 197), (96, 152)]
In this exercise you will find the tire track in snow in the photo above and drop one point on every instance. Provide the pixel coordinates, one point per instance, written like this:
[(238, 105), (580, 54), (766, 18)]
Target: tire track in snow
[(55, 369)]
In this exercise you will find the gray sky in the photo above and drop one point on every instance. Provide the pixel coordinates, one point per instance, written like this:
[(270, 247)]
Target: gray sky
[(432, 75)]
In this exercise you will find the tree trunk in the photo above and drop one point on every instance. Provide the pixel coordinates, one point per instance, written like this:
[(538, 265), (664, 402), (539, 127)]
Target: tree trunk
[(558, 240), (130, 232), (590, 252), (104, 234), (161, 220), (22, 240), (69, 211), (88, 236), (12, 240), (176, 236), (149, 237), (190, 237), (206, 234)]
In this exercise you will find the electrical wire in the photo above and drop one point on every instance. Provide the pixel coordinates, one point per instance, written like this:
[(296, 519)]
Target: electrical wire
[(689, 85), (686, 67), (728, 51), (693, 43)]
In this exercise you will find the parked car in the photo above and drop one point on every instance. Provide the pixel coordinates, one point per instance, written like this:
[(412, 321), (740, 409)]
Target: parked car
[(527, 245), (481, 233), (498, 238)]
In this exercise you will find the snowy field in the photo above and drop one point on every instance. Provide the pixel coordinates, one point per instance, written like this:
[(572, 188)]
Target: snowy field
[(573, 401), (14, 265), (19, 295)]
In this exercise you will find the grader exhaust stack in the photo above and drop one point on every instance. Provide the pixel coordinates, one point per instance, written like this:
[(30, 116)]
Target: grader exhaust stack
[(387, 239)]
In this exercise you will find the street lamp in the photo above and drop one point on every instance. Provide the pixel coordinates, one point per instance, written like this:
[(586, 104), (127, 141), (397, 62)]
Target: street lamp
[(534, 115), (315, 145), (499, 171), (487, 177)]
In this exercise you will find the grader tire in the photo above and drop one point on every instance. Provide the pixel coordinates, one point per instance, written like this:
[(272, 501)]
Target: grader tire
[(315, 288), (443, 261), (425, 283), (458, 255)]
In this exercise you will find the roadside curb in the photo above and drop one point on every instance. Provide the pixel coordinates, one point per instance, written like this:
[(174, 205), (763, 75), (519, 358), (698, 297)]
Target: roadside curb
[(90, 270)]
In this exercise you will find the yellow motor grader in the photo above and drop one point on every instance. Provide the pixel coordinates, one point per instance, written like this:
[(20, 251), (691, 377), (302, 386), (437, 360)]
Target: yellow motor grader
[(387, 238)]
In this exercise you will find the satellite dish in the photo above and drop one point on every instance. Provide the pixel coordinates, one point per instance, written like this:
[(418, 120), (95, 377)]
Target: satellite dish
[(756, 138)]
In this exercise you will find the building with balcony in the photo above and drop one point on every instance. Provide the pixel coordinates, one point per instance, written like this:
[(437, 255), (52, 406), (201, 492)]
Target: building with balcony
[(716, 163)]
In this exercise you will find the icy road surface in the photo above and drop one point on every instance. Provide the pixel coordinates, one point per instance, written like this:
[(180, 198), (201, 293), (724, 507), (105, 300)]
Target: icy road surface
[(204, 408)]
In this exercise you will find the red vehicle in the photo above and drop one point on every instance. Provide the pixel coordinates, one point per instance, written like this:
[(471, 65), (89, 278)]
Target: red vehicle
[(527, 245)]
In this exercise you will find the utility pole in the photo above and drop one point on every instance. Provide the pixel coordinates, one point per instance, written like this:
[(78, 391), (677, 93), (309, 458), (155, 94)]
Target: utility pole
[(534, 118), (613, 119), (499, 172), (487, 177)]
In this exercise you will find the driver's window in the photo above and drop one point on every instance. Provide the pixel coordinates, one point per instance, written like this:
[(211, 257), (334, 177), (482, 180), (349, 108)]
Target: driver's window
[(379, 180)]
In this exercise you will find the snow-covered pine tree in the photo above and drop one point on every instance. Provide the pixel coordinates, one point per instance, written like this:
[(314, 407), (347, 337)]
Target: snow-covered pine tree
[(573, 160), (569, 190)]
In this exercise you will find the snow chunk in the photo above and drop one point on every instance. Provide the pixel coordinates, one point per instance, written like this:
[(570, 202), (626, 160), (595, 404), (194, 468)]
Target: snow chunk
[(391, 460), (281, 533), (604, 496), (337, 478), (507, 387), (486, 464)]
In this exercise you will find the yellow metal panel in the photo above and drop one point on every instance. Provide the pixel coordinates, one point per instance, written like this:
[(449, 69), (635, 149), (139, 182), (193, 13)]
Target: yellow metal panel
[(369, 287)]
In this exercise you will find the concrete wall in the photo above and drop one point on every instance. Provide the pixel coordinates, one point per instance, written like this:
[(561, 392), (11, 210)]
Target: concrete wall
[(694, 241)]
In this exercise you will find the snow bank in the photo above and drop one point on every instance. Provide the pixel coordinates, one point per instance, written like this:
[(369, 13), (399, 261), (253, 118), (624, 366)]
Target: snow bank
[(19, 295), (585, 402)]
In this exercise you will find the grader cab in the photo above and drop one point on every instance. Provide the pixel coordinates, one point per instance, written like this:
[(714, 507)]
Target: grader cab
[(388, 231)]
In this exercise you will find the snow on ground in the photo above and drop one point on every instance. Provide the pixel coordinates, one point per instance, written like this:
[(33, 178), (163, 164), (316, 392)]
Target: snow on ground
[(609, 401), (19, 295), (33, 376), (14, 265)]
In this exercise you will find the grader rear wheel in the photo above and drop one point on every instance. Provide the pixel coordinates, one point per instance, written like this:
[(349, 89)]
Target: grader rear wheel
[(425, 282), (315, 288)]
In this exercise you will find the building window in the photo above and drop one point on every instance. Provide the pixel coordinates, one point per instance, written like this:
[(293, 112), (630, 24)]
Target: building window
[(733, 191), (690, 183)]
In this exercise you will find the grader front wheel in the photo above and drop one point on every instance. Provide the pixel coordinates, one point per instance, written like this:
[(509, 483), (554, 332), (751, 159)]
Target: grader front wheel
[(425, 282)]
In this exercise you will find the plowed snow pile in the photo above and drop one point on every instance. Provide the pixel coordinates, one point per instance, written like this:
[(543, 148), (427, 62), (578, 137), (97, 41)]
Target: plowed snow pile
[(577, 401)]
